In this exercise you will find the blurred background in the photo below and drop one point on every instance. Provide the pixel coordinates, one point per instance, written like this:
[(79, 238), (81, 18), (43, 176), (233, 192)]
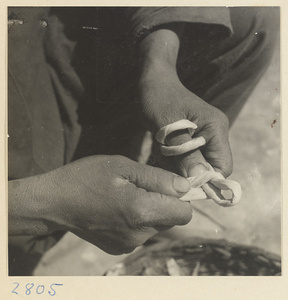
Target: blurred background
[(256, 220)]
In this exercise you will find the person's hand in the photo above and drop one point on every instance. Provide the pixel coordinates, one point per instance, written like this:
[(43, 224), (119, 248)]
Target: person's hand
[(165, 100), (110, 201)]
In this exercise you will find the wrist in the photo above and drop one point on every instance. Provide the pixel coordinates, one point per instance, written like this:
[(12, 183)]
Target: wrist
[(28, 208), (157, 74)]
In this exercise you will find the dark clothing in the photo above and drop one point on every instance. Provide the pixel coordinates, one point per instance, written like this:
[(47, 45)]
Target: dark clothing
[(72, 66)]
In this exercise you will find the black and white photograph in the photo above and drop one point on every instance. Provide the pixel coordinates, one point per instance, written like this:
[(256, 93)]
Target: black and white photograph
[(143, 141)]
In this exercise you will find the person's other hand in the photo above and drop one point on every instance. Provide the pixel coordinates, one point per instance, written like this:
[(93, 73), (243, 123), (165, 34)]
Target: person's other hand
[(165, 100), (115, 203)]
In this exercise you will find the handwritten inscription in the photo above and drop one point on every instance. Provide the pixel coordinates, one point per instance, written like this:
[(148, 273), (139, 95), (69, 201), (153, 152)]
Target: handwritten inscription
[(30, 288)]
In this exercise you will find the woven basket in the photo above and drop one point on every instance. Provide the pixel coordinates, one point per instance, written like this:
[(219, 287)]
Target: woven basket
[(198, 257)]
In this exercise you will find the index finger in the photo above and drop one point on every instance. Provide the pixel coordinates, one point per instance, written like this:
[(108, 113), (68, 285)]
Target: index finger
[(160, 210)]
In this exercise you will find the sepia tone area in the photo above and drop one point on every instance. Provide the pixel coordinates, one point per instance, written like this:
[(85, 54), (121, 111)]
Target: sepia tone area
[(256, 221)]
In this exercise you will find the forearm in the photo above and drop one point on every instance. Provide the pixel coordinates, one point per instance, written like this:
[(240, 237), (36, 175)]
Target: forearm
[(157, 56), (160, 48), (30, 206)]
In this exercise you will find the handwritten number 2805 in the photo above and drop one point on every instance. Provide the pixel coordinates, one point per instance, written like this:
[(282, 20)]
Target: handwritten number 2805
[(40, 289)]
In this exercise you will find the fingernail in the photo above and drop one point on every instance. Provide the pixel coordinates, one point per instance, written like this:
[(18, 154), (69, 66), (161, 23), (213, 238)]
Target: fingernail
[(181, 184), (197, 170)]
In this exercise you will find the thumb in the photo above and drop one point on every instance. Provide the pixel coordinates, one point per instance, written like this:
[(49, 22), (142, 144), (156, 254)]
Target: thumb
[(191, 163), (157, 180)]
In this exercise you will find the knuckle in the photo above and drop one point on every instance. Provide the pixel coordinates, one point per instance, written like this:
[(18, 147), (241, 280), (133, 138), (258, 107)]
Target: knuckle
[(145, 217), (145, 173), (218, 118), (143, 221), (150, 174), (141, 216), (223, 120), (154, 175), (118, 161)]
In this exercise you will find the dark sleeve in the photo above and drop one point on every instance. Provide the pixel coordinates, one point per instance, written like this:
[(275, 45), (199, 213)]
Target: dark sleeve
[(142, 20)]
